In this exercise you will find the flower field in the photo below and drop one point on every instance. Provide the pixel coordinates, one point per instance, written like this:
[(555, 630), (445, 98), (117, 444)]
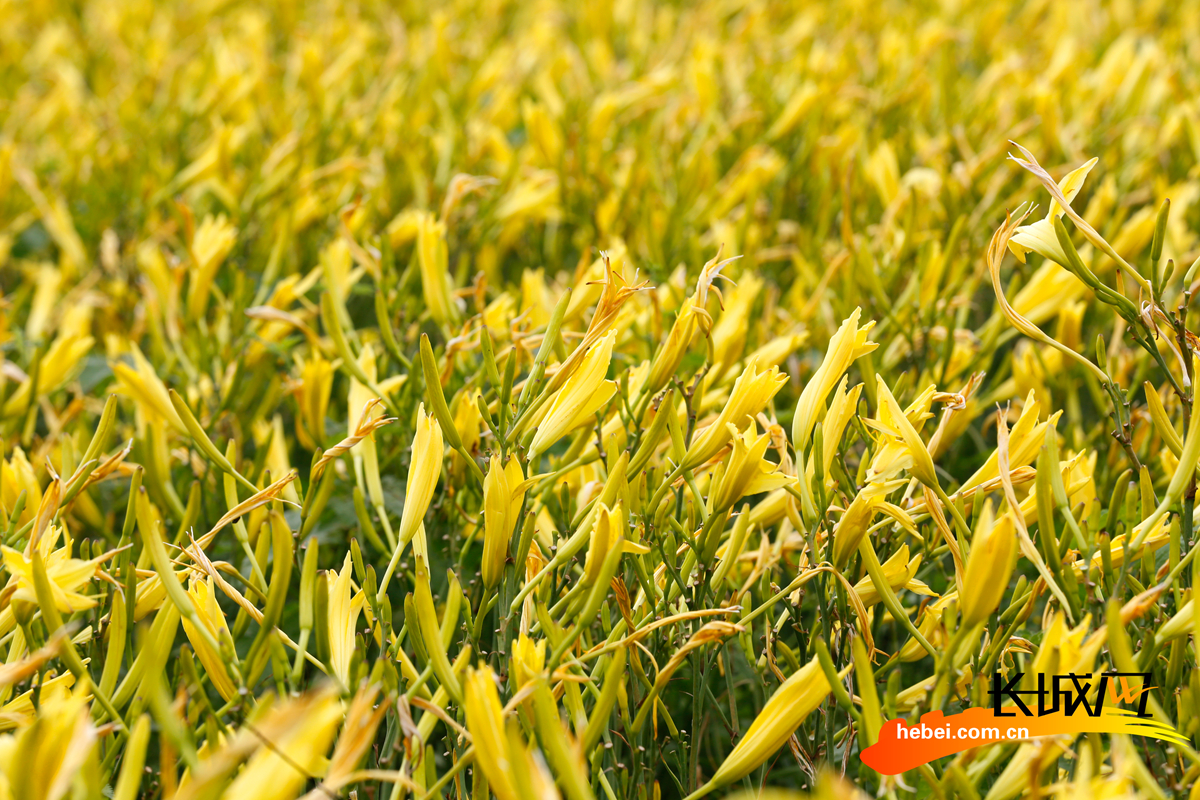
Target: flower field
[(618, 400)]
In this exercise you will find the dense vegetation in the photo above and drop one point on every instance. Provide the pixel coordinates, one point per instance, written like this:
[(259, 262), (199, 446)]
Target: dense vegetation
[(601, 400)]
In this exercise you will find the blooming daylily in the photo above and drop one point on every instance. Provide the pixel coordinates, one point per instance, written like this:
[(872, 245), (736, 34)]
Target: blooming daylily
[(67, 575), (746, 472), (1040, 237)]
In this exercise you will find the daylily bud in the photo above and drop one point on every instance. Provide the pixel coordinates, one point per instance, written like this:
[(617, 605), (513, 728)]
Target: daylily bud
[(783, 713), (485, 721), (989, 566), (423, 473), (503, 494)]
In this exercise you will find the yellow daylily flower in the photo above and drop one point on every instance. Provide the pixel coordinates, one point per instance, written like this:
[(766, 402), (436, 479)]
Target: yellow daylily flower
[(503, 494), (485, 721), (16, 476), (745, 472), (1040, 237), (279, 772), (213, 618), (900, 572), (806, 689), (67, 575), (901, 446), (213, 241), (344, 608), (847, 345), (989, 565), (751, 393), (312, 400), (423, 472), (142, 383), (584, 393)]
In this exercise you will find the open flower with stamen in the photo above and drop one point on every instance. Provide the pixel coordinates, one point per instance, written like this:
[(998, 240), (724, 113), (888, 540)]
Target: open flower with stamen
[(67, 575), (746, 472), (901, 447)]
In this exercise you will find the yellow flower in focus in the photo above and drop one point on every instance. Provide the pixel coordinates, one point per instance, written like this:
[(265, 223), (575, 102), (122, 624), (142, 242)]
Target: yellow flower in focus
[(1024, 441), (782, 714), (213, 618), (847, 345), (344, 607), (485, 721), (751, 393), (692, 313), (745, 472), (584, 393), (423, 472), (67, 575), (900, 573), (930, 627), (842, 409), (1040, 237), (853, 525), (503, 494), (901, 446), (608, 527), (529, 659), (989, 565)]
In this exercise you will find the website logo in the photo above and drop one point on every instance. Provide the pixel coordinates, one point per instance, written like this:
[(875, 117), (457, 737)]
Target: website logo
[(1113, 702)]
